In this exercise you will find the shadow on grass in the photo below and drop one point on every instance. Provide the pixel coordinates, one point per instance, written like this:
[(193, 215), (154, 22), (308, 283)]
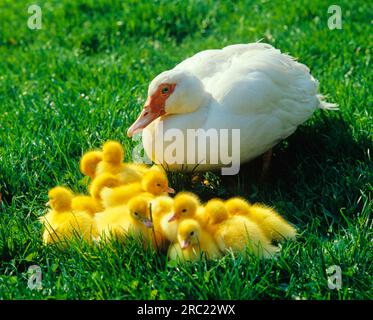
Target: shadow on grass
[(313, 150), (320, 168)]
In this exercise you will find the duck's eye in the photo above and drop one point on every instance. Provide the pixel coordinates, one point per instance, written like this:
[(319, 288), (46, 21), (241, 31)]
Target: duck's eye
[(192, 233), (136, 214), (184, 210), (165, 90), (158, 184)]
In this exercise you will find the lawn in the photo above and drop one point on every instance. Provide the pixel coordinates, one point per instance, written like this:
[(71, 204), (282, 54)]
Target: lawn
[(82, 79)]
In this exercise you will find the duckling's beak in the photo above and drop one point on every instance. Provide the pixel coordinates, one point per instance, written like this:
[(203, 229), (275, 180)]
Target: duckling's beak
[(172, 218), (170, 190), (47, 204), (185, 244), (147, 223)]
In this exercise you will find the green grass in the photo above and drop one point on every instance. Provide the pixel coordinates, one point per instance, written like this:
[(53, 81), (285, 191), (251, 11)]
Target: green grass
[(321, 178)]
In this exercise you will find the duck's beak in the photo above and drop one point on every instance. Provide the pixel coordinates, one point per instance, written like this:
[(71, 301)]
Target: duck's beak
[(170, 190), (47, 204), (153, 109), (185, 244)]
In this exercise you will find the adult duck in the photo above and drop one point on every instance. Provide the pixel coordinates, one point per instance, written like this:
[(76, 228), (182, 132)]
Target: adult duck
[(251, 87)]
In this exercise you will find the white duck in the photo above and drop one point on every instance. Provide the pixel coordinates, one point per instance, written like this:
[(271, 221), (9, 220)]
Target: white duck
[(251, 87)]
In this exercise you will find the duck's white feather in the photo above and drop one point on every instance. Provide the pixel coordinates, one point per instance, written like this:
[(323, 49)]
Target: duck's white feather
[(251, 87)]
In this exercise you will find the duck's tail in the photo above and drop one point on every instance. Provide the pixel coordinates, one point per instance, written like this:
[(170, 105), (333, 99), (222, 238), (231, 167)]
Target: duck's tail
[(326, 105)]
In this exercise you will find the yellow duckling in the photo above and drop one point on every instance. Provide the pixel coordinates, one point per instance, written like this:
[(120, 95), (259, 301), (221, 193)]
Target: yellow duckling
[(192, 242), (186, 205), (143, 168), (215, 214), (273, 225), (132, 219), (102, 182), (86, 204), (61, 223), (93, 203), (153, 183), (150, 211), (112, 222), (112, 162), (89, 163), (236, 233), (162, 210), (139, 209)]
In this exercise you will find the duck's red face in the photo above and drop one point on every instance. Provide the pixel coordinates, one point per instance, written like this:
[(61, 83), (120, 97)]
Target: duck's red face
[(154, 108)]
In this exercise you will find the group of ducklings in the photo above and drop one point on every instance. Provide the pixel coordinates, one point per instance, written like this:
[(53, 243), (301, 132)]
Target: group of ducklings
[(133, 199)]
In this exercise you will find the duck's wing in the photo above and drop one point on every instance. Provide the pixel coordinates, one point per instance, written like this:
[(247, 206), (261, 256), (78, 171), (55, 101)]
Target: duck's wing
[(268, 82), (205, 64), (256, 79), (210, 63)]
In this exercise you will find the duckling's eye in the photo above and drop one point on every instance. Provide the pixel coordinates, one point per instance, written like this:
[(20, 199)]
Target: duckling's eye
[(165, 90), (192, 233), (136, 214), (158, 184), (184, 210)]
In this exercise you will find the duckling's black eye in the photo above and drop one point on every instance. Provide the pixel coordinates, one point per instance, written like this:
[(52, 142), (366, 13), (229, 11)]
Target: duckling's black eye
[(164, 90), (158, 184), (184, 210), (192, 233), (136, 214)]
